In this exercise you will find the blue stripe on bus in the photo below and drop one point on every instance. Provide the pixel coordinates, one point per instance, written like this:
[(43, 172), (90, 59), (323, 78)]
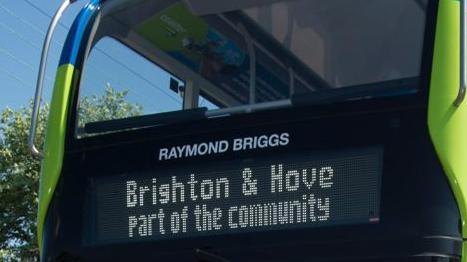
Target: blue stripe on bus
[(80, 29)]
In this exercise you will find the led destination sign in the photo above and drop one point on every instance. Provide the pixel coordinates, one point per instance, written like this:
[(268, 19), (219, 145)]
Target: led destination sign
[(292, 191)]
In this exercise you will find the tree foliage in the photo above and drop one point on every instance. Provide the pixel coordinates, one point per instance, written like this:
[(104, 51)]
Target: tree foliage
[(111, 105), (19, 171)]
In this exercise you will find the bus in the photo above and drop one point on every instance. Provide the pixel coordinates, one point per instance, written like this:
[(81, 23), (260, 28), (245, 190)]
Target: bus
[(267, 130)]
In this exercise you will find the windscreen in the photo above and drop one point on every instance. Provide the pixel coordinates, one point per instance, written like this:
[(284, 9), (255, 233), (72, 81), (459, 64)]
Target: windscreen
[(348, 43), (169, 61)]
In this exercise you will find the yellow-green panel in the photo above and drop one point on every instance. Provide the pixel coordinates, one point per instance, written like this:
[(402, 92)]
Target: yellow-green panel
[(448, 123), (54, 142), (170, 27)]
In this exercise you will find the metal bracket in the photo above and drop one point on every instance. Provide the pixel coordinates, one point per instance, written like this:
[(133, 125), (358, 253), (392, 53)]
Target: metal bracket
[(190, 95), (40, 78), (462, 85)]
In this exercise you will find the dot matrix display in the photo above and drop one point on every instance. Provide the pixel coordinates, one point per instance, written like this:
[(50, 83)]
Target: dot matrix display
[(291, 191)]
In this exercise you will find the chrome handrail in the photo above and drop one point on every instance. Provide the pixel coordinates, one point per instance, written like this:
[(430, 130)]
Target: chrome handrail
[(462, 85), (40, 78)]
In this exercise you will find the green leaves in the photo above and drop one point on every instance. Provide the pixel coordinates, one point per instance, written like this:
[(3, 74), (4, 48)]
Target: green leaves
[(19, 176), (111, 105), (19, 171)]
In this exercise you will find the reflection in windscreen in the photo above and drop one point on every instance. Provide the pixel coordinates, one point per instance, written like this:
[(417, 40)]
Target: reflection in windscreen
[(253, 54), (349, 42), (241, 56)]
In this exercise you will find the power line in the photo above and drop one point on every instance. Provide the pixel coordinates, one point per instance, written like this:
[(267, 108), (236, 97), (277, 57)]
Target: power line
[(26, 22), (18, 79), (34, 27), (104, 53), (19, 60), (10, 74), (6, 52), (42, 11), (34, 45), (11, 30), (139, 76), (42, 33)]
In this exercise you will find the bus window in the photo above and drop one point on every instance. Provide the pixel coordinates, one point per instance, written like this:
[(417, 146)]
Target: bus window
[(379, 41), (238, 59), (205, 102), (115, 72)]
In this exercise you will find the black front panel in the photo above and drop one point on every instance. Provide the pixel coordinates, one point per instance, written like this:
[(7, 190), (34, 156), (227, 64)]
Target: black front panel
[(398, 204), (285, 192)]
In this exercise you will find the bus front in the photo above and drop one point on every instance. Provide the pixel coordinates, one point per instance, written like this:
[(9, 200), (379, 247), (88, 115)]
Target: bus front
[(270, 130)]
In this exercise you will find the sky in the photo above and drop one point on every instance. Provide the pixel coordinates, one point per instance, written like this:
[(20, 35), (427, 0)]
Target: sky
[(23, 24)]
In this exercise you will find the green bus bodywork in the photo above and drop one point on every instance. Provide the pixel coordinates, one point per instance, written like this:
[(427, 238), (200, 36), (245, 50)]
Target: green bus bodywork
[(54, 147), (448, 123)]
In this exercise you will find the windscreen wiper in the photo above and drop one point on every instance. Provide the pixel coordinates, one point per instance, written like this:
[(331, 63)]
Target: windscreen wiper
[(145, 120)]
